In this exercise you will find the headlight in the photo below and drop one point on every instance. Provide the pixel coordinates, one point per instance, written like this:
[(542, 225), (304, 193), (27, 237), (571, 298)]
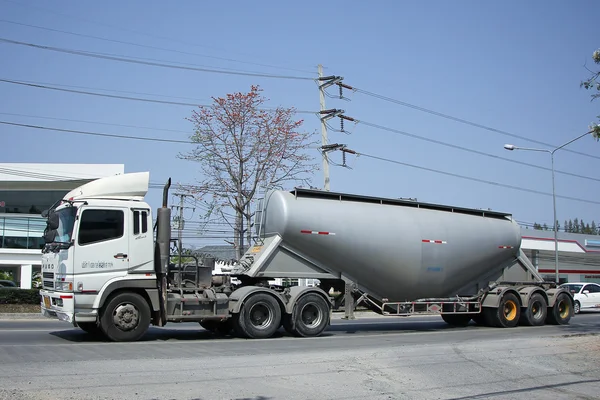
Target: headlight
[(64, 286)]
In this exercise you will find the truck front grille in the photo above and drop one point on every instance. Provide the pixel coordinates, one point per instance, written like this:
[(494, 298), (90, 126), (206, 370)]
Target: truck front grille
[(48, 280)]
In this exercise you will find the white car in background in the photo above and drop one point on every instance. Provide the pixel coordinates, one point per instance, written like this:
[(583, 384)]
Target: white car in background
[(585, 294)]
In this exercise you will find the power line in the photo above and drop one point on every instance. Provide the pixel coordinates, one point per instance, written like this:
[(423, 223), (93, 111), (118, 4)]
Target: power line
[(115, 57), (473, 179), (96, 133), (149, 47), (472, 150), (48, 87), (461, 120), (159, 37), (96, 122)]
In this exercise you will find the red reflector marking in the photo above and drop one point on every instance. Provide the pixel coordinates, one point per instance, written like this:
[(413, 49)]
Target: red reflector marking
[(505, 247), (316, 232), (66, 296), (434, 241)]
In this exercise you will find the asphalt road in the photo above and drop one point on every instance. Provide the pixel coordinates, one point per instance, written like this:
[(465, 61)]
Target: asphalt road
[(374, 358)]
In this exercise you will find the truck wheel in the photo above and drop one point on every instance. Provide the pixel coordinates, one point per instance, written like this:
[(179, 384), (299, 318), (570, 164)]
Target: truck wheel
[(535, 314), (309, 318), (561, 312), (259, 318), (507, 314), (125, 318), (90, 327), (461, 320)]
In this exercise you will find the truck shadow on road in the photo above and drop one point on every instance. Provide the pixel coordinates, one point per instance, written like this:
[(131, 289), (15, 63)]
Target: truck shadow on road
[(585, 325), (189, 333)]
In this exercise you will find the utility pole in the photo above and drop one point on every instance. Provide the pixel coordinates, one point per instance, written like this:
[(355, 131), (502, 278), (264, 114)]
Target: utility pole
[(180, 223), (325, 115), (323, 132)]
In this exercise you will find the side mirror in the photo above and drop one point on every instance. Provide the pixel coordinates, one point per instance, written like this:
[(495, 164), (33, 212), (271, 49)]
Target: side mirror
[(586, 292), (53, 221), (49, 235)]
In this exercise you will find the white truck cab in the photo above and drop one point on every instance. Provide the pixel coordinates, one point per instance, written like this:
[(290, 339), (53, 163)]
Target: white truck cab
[(106, 268), (98, 238)]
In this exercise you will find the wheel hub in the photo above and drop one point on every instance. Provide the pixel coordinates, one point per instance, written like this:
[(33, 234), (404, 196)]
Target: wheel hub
[(126, 317), (260, 316), (311, 315)]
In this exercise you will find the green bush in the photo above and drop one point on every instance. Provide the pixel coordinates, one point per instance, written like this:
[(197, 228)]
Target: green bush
[(19, 296)]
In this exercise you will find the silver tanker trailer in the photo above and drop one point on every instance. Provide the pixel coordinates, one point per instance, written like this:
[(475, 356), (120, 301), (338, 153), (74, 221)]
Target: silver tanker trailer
[(402, 257), (107, 269)]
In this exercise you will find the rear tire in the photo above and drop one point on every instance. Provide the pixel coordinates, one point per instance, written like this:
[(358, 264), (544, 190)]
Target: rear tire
[(562, 311), (536, 312), (577, 307), (460, 320), (309, 318), (259, 317), (125, 318), (507, 314)]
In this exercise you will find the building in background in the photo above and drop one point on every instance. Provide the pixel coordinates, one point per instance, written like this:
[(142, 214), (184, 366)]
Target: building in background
[(25, 191), (578, 255)]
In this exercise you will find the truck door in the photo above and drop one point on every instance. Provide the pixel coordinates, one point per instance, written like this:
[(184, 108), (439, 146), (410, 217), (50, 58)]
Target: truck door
[(102, 246), (141, 242)]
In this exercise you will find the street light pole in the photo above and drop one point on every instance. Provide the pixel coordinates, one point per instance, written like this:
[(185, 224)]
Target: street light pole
[(555, 223)]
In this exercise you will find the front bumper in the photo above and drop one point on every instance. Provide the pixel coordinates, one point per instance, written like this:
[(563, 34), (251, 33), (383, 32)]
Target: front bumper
[(58, 305)]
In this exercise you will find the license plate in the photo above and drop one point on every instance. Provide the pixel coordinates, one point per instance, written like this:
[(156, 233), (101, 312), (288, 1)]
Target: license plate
[(47, 301)]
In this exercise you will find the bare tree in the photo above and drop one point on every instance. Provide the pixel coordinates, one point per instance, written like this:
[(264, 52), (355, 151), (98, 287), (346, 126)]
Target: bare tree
[(242, 147), (593, 83)]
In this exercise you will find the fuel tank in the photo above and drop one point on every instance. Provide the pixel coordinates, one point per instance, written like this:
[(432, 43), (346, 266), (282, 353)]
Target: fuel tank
[(396, 249)]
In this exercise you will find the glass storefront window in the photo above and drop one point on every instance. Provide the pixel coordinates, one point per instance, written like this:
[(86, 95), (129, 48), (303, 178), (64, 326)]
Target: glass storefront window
[(22, 232), (28, 201)]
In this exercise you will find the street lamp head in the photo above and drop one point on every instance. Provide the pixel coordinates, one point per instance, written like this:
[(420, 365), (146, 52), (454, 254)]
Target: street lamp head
[(509, 146)]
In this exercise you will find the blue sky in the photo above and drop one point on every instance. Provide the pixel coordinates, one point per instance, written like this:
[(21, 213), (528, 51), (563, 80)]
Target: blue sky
[(513, 66)]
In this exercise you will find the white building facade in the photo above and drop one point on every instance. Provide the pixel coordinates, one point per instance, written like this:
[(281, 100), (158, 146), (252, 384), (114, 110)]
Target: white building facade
[(25, 191)]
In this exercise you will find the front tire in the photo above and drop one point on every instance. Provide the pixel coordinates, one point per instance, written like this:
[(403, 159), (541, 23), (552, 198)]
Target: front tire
[(125, 318)]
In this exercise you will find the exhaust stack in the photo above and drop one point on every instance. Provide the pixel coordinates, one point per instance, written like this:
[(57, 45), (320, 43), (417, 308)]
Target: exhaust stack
[(163, 231)]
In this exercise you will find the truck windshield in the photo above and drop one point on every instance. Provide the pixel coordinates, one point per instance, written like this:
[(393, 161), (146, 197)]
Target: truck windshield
[(66, 220)]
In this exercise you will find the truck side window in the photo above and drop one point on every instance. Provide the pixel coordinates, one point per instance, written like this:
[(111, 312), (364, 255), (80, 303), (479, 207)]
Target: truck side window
[(144, 222), (100, 225), (136, 222)]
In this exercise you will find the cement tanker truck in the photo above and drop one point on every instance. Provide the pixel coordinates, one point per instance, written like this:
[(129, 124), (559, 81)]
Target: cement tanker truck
[(108, 272)]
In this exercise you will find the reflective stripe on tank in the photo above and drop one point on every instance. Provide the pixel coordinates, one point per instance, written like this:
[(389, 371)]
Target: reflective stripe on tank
[(434, 241), (505, 247), (316, 232)]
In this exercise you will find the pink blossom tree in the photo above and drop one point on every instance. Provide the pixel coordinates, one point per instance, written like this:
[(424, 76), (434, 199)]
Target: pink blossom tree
[(243, 147)]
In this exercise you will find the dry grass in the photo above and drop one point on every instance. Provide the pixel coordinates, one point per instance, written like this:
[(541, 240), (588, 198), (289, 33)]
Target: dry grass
[(19, 308)]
